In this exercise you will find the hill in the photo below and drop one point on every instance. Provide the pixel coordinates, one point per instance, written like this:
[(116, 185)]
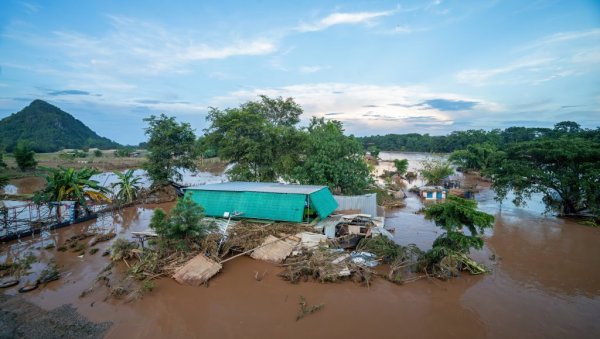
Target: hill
[(47, 128)]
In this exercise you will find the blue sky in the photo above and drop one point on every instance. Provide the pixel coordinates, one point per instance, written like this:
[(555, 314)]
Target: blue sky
[(378, 66)]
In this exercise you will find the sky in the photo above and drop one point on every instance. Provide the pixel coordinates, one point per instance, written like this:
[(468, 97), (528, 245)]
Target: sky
[(378, 66)]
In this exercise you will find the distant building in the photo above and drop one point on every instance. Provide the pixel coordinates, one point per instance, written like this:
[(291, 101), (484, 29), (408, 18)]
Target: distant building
[(262, 200), (432, 192)]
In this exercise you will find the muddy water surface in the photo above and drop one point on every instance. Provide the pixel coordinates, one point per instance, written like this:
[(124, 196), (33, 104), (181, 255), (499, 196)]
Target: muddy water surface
[(544, 284)]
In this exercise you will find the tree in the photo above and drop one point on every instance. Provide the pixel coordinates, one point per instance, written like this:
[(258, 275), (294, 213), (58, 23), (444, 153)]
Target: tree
[(476, 157), (401, 166), (171, 147), (97, 153), (435, 170), (184, 222), (374, 151), (2, 163), (333, 159), (24, 156), (72, 185), (451, 248), (566, 172), (259, 137), (567, 127), (128, 186)]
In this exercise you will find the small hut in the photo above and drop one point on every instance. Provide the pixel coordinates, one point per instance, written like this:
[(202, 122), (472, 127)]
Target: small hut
[(430, 193)]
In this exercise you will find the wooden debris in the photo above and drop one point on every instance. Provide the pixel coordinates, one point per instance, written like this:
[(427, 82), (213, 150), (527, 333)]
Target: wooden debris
[(275, 250), (197, 271)]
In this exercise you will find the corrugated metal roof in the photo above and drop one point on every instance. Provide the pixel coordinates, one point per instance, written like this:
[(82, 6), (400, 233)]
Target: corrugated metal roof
[(366, 204), (264, 187)]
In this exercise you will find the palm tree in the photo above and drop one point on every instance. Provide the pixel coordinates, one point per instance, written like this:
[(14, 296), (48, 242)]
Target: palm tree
[(128, 186), (73, 185)]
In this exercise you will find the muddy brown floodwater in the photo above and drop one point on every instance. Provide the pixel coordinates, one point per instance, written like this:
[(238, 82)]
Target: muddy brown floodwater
[(544, 283)]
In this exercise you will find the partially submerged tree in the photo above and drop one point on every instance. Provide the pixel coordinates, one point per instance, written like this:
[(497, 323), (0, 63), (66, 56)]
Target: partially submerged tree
[(463, 226), (127, 187), (333, 159), (24, 156), (435, 170), (401, 166), (476, 157), (374, 151), (184, 222), (565, 171), (171, 146), (71, 185)]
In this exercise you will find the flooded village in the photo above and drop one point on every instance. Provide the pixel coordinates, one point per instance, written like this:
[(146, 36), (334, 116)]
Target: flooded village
[(313, 169), (539, 282)]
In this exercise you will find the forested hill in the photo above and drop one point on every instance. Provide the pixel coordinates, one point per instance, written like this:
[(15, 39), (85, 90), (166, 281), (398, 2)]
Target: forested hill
[(415, 142), (47, 128)]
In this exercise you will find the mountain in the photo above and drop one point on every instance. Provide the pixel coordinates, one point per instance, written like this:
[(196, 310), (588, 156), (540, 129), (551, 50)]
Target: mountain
[(47, 128)]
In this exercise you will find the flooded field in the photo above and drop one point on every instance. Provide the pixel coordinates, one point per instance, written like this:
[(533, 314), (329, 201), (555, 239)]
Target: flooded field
[(544, 284)]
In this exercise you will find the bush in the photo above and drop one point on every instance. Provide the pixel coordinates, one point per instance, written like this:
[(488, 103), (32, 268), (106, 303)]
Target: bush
[(184, 222)]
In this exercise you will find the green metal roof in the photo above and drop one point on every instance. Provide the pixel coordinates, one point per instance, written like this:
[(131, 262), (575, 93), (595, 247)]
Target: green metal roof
[(266, 187)]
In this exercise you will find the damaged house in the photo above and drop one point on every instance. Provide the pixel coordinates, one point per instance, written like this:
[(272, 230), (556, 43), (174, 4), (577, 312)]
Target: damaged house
[(264, 200)]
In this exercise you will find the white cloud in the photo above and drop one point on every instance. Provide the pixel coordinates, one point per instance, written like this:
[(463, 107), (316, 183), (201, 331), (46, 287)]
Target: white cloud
[(368, 108), (341, 19), (552, 57), (138, 47), (311, 69)]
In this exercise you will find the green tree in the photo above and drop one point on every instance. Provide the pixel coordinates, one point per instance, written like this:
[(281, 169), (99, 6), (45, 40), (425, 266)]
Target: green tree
[(454, 216), (128, 186), (374, 151), (401, 166), (2, 163), (97, 153), (333, 159), (184, 222), (71, 184), (565, 171), (259, 137), (476, 157), (435, 170), (171, 147), (24, 156)]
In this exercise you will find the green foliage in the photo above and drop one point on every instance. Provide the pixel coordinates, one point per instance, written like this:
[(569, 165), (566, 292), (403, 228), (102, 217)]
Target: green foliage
[(565, 171), (24, 156), (128, 186), (2, 163), (374, 151), (171, 146), (476, 157), (123, 152), (97, 153), (72, 155), (71, 184), (259, 137), (460, 140), (435, 170), (48, 129), (453, 216), (184, 222), (333, 159), (401, 166)]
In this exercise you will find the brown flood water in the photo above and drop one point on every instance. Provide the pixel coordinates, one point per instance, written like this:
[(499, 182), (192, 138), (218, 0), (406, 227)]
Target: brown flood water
[(544, 283)]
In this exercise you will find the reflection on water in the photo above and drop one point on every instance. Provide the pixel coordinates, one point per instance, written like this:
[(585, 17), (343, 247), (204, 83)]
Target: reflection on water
[(544, 284)]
